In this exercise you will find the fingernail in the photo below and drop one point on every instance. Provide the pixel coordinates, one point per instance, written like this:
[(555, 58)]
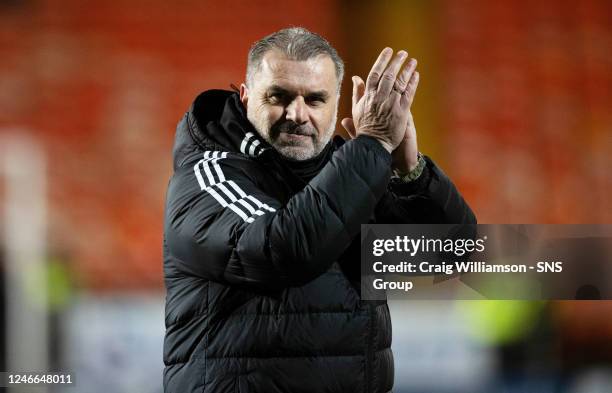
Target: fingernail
[(402, 53)]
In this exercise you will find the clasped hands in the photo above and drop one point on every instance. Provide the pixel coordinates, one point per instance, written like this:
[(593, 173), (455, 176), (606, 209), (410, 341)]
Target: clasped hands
[(381, 107)]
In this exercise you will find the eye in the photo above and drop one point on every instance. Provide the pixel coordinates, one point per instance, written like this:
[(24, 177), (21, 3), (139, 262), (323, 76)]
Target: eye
[(315, 100), (276, 98)]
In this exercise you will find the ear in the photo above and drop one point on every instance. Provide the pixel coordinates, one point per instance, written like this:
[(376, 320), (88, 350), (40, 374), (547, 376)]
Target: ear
[(244, 94)]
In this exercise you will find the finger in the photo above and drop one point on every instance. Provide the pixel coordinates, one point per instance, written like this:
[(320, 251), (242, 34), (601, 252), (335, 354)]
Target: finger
[(358, 89), (404, 77), (408, 96), (389, 76), (355, 97), (349, 126), (378, 68)]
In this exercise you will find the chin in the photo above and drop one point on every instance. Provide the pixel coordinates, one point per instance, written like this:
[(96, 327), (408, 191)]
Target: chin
[(297, 153)]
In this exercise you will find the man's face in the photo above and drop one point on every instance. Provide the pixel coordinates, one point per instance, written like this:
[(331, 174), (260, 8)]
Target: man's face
[(293, 104)]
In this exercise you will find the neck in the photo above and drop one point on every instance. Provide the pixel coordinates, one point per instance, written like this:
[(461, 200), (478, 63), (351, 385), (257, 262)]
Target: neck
[(309, 168)]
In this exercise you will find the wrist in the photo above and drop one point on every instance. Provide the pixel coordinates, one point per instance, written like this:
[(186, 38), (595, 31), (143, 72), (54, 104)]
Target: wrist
[(383, 142), (408, 165), (405, 162), (386, 145), (413, 172)]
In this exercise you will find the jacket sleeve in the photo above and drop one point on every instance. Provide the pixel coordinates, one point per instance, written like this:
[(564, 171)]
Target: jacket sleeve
[(430, 199), (220, 226)]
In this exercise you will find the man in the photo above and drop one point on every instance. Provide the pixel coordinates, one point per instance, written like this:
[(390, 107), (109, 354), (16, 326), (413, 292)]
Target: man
[(263, 213)]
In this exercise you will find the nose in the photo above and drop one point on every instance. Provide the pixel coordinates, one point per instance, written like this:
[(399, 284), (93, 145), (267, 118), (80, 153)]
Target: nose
[(297, 110)]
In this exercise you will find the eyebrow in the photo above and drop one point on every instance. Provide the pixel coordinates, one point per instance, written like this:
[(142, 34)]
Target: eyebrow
[(319, 94)]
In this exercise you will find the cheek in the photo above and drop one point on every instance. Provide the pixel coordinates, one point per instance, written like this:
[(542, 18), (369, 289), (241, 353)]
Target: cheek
[(323, 119), (274, 114), (269, 114)]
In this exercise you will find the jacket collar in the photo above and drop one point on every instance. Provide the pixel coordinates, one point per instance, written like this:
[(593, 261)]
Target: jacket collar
[(218, 117)]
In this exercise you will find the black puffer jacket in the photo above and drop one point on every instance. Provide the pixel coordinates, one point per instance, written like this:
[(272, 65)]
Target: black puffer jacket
[(262, 269)]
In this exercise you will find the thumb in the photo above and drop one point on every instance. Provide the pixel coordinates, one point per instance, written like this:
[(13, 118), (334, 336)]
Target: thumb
[(358, 89), (349, 126)]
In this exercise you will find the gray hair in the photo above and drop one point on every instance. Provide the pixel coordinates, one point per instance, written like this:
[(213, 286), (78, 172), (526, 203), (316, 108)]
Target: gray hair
[(297, 44)]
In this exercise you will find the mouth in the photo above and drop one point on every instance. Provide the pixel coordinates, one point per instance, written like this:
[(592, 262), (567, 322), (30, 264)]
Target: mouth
[(296, 136), (292, 134), (295, 139), (302, 134), (298, 132)]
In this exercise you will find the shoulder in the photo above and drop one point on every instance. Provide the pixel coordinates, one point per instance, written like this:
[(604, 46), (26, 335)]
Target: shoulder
[(214, 179)]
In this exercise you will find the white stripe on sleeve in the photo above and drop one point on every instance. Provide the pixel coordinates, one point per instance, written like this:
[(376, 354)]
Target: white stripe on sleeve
[(232, 197)]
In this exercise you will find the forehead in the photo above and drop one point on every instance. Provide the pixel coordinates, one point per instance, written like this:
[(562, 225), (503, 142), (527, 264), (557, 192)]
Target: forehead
[(316, 73)]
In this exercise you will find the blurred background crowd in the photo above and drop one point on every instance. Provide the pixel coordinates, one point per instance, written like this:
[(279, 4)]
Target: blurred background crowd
[(514, 103)]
